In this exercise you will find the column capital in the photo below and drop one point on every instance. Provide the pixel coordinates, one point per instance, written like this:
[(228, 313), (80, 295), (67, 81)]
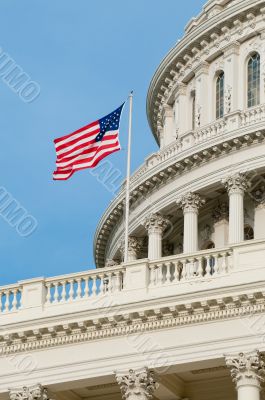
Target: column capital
[(191, 202), (236, 183), (36, 392), (137, 386), (246, 368), (156, 223)]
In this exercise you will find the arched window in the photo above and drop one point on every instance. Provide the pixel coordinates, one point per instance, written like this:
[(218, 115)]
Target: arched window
[(254, 80), (220, 95)]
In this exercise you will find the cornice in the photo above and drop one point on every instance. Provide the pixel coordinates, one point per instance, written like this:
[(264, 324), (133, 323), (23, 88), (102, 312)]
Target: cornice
[(201, 44), (146, 180), (182, 314)]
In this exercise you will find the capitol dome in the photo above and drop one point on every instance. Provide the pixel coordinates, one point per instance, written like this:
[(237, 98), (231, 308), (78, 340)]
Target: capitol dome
[(204, 188)]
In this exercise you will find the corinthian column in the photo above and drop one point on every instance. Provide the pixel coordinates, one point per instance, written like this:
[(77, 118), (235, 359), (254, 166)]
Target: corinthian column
[(137, 386), (155, 225), (36, 392), (190, 203), (134, 246), (236, 186), (247, 371)]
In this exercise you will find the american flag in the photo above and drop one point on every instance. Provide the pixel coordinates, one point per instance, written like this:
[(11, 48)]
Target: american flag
[(85, 147)]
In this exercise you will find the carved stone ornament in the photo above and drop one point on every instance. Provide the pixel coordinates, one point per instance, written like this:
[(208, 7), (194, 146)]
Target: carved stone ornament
[(228, 99), (237, 183), (191, 202), (137, 386), (246, 366), (221, 212), (198, 116), (134, 245), (206, 232), (111, 263), (36, 392), (156, 223)]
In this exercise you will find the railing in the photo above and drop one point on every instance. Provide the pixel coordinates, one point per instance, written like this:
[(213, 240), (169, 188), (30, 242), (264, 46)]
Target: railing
[(209, 131), (10, 298), (184, 268), (83, 286), (253, 115), (200, 135), (136, 281)]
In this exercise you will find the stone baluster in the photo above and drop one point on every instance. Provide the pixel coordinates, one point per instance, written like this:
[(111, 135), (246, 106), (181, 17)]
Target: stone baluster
[(190, 204), (236, 186), (247, 370), (137, 386), (155, 224), (134, 247), (36, 392)]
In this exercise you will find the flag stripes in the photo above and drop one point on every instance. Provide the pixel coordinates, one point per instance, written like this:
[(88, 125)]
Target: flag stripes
[(85, 147)]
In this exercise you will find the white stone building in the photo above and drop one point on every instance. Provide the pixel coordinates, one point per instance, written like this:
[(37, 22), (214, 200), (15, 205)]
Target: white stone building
[(190, 303)]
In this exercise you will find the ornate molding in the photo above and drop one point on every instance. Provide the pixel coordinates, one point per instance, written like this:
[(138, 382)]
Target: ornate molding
[(36, 392), (236, 183), (246, 367), (191, 202), (150, 320), (156, 223), (137, 386)]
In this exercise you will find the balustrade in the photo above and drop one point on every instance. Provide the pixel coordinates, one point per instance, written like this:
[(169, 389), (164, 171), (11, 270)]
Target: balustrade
[(183, 268), (10, 299), (83, 286)]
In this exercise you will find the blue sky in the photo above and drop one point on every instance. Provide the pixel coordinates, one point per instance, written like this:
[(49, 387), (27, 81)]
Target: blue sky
[(86, 55)]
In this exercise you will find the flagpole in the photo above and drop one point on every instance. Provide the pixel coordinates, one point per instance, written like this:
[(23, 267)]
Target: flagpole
[(127, 198)]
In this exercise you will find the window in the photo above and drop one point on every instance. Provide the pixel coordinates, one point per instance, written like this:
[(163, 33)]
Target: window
[(220, 95), (254, 80)]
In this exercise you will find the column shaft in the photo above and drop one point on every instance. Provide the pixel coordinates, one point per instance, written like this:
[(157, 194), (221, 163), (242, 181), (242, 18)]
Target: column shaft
[(190, 203), (236, 217), (236, 186), (190, 244)]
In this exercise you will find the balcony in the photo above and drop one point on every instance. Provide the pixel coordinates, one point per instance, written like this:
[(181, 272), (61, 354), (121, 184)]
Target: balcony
[(139, 281)]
